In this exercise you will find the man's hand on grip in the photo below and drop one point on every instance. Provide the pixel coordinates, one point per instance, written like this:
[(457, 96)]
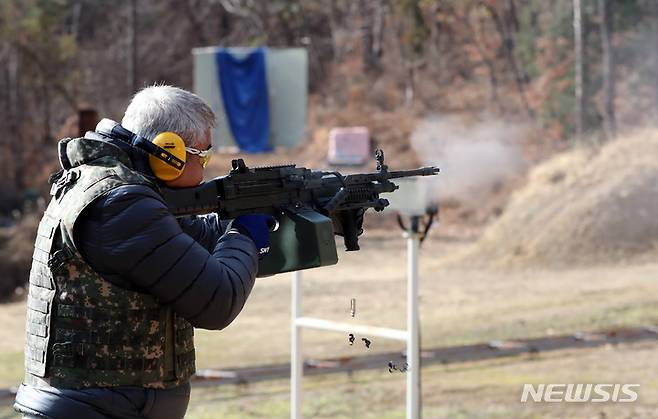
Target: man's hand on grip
[(257, 227)]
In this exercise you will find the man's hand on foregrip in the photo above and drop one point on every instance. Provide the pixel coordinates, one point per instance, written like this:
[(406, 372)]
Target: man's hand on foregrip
[(256, 226)]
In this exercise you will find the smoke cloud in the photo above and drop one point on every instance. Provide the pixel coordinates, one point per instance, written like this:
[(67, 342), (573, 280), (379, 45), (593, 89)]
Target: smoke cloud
[(473, 157)]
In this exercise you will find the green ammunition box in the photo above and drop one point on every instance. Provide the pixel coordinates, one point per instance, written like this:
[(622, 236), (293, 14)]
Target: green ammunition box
[(303, 240)]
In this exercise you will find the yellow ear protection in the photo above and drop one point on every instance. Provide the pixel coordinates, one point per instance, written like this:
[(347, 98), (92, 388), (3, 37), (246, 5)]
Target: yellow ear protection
[(166, 152), (160, 164)]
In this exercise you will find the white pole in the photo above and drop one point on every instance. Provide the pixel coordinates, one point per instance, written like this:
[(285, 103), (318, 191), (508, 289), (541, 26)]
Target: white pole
[(296, 359), (413, 358)]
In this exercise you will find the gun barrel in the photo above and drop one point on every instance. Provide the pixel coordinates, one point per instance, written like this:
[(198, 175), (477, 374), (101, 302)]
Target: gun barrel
[(423, 171)]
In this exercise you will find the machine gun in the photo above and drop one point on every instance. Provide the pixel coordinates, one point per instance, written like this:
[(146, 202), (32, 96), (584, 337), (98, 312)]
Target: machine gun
[(310, 206)]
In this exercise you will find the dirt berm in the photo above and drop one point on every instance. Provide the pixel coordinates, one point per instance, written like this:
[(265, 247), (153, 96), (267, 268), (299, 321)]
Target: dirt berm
[(581, 207)]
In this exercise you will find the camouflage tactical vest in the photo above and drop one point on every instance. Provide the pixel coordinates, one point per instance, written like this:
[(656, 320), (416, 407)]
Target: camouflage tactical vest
[(83, 331)]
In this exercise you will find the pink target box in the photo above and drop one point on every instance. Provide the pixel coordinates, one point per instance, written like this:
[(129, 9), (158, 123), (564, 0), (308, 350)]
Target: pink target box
[(349, 145)]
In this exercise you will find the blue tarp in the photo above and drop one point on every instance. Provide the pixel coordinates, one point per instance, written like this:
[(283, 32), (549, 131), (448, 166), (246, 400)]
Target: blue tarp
[(244, 91)]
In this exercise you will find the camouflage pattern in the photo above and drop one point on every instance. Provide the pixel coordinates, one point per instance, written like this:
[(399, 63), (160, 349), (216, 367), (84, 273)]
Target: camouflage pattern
[(83, 331)]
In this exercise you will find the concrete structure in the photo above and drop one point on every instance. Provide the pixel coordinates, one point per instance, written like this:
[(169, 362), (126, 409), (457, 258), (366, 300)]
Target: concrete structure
[(287, 81)]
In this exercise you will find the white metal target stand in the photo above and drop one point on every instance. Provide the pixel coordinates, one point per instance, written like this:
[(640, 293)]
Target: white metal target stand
[(410, 336)]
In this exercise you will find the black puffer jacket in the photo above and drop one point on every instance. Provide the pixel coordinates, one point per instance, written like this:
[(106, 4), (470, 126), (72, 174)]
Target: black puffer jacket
[(202, 270)]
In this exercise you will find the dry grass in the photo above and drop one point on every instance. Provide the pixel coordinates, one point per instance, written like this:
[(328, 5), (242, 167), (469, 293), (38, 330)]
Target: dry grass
[(483, 389), (457, 306), (488, 389)]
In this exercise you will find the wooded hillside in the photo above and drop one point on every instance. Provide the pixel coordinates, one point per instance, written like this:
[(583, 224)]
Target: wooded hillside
[(514, 58), (565, 65)]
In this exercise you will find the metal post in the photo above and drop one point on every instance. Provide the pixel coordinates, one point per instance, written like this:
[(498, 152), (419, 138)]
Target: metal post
[(411, 336), (413, 350), (296, 359)]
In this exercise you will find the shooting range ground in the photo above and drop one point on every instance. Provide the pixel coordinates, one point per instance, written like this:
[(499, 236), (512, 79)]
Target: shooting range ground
[(484, 389), (457, 307)]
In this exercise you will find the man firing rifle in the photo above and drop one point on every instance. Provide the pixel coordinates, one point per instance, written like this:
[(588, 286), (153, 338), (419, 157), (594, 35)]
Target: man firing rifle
[(118, 282)]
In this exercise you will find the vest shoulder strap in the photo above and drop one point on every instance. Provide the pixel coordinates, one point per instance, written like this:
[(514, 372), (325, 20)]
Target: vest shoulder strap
[(85, 185)]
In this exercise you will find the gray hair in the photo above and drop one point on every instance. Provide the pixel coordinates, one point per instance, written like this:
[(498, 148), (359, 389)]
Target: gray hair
[(157, 109)]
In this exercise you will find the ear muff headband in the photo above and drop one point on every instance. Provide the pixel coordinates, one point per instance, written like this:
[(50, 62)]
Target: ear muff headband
[(167, 160), (166, 153)]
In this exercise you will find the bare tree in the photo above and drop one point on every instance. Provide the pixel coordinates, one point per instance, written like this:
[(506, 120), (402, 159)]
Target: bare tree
[(132, 60), (368, 9), (195, 14), (246, 9), (506, 25), (609, 123), (488, 61), (656, 59), (14, 116), (578, 59)]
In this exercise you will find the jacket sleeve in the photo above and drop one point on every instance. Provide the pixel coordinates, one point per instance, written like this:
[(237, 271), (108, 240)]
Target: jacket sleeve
[(132, 240)]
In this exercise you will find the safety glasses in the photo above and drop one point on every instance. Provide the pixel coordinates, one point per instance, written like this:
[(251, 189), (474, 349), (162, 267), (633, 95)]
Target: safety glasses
[(204, 155)]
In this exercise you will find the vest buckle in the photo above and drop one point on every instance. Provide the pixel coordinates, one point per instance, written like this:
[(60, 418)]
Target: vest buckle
[(59, 258), (63, 180)]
